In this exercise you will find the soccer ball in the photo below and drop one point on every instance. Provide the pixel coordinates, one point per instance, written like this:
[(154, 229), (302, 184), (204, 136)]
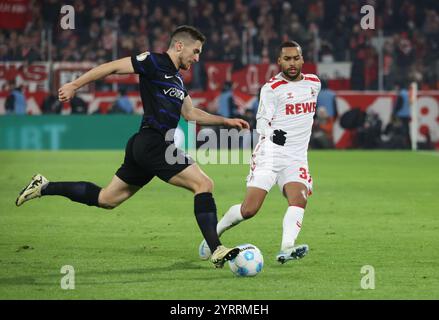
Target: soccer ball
[(248, 262)]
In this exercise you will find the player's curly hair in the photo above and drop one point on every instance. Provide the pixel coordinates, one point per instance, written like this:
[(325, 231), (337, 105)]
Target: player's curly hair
[(186, 31)]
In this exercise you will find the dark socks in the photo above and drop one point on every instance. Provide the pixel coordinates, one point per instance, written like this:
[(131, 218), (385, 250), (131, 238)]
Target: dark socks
[(205, 213), (83, 192)]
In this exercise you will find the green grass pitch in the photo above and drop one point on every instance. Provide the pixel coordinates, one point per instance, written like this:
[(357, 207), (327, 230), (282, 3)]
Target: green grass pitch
[(368, 208)]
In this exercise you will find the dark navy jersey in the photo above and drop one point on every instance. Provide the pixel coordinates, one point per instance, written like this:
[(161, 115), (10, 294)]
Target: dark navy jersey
[(161, 88)]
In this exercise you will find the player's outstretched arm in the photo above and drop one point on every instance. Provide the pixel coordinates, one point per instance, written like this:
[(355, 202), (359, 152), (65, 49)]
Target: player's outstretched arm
[(121, 66), (203, 118)]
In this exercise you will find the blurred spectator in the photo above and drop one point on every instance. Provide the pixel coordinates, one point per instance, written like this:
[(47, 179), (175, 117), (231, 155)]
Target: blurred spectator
[(395, 135), (10, 100), (250, 117), (250, 136), (51, 104), (326, 55), (255, 104), (226, 102), (357, 70), (321, 136), (404, 56), (4, 54), (352, 120), (369, 135), (371, 69), (388, 65), (16, 102), (214, 48), (401, 109), (78, 105), (327, 99), (122, 104)]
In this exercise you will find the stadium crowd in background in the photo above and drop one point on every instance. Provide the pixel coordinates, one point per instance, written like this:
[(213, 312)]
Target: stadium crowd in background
[(243, 31)]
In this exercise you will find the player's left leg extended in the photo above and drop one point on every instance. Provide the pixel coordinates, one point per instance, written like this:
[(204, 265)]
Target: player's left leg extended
[(83, 192), (296, 194), (115, 193), (194, 179)]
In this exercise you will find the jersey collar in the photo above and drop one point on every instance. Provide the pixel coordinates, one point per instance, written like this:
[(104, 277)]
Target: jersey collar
[(283, 78)]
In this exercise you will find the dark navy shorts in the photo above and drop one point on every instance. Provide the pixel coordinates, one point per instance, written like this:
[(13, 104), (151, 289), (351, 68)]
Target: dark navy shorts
[(148, 154)]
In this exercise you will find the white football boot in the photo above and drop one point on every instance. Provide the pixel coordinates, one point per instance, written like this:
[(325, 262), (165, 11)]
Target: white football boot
[(33, 189), (295, 253)]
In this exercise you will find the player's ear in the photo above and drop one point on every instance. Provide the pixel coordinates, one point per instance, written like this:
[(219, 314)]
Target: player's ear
[(179, 46)]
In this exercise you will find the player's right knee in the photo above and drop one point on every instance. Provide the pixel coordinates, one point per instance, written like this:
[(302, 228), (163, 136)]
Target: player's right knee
[(107, 206), (106, 202), (204, 185)]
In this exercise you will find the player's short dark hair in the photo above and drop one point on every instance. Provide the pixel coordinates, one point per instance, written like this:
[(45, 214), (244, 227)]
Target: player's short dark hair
[(290, 44), (187, 32)]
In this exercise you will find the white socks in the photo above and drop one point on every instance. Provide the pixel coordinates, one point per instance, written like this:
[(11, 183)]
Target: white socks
[(230, 219), (292, 224)]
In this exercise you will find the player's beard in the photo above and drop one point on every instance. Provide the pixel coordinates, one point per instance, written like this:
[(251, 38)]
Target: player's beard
[(293, 77), (185, 66)]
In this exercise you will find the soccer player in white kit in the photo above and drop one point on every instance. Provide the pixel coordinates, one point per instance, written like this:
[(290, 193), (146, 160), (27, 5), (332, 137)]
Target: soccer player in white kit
[(284, 122)]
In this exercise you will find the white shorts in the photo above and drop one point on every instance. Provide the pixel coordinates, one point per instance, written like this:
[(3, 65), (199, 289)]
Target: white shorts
[(268, 167)]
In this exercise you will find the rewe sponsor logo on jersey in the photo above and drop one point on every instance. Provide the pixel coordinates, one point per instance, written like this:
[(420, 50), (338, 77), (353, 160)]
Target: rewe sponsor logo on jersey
[(174, 93), (298, 108)]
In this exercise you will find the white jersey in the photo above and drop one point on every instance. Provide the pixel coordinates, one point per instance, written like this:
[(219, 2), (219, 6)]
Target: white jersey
[(290, 106)]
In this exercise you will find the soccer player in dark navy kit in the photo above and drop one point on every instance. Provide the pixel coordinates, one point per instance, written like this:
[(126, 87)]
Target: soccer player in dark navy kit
[(164, 99)]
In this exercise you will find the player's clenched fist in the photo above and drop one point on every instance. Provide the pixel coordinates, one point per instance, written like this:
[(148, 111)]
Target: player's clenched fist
[(279, 137), (66, 92)]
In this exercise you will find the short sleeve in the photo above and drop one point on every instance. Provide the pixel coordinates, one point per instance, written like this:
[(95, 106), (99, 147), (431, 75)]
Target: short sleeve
[(319, 87), (142, 64)]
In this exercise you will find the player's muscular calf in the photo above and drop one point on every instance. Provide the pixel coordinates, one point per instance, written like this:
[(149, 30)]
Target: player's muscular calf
[(296, 194), (252, 202)]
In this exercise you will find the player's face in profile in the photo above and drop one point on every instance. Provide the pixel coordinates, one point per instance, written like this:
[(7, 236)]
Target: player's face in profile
[(190, 54), (291, 62)]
